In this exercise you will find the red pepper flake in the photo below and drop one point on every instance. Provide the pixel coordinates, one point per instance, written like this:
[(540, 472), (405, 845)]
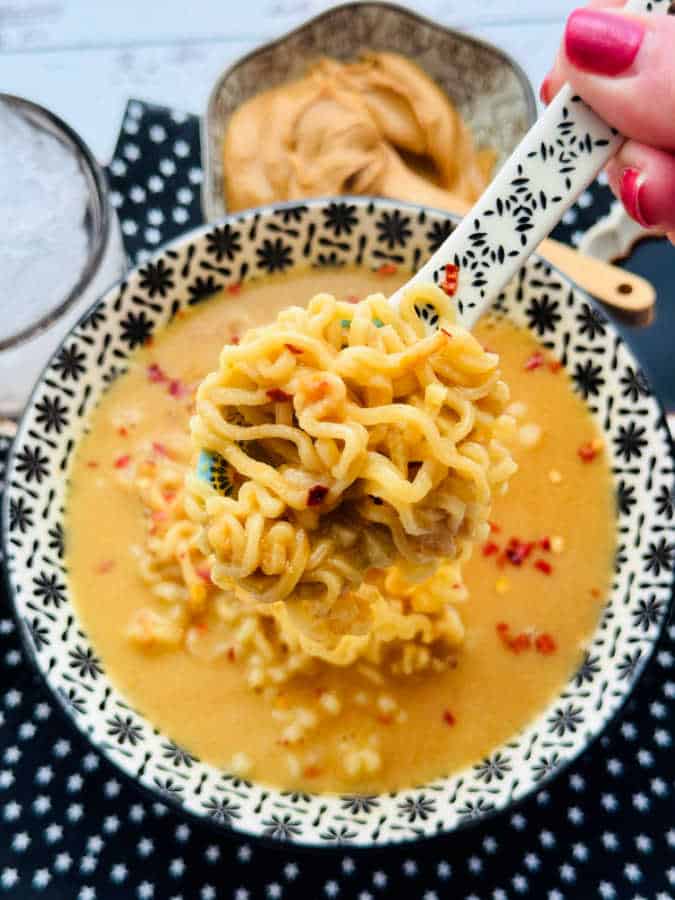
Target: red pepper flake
[(449, 718), (160, 449), (534, 362), (278, 395), (595, 593), (352, 298), (156, 374), (518, 551), (545, 543), (169, 496), (122, 461), (502, 627), (204, 573), (446, 333), (494, 527), (588, 451), (449, 283), (385, 719), (158, 515), (234, 288), (520, 642), (103, 567), (543, 566), (122, 431), (235, 339), (311, 771), (545, 644), (177, 388), (294, 349), (231, 655), (555, 365), (201, 627), (387, 268), (92, 464), (316, 495), (490, 548)]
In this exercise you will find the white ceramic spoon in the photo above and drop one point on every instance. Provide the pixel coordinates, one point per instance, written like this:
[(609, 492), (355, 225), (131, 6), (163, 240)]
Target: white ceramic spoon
[(556, 160)]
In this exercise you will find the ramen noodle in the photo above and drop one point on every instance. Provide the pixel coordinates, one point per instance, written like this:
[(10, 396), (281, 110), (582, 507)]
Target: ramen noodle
[(346, 439)]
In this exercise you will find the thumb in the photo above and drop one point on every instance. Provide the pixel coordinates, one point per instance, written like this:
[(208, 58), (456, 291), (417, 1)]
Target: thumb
[(624, 68)]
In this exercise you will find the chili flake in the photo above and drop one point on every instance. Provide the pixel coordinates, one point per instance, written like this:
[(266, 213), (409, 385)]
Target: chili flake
[(588, 451), (231, 655), (534, 362), (122, 461), (449, 283), (387, 268), (543, 566), (494, 527), (234, 288), (235, 339), (156, 374), (490, 548), (92, 464), (518, 551), (311, 771), (352, 298), (278, 395), (545, 543), (520, 642), (294, 349), (545, 644), (449, 718), (160, 448), (204, 573), (122, 431), (177, 388), (555, 365), (316, 495), (103, 567)]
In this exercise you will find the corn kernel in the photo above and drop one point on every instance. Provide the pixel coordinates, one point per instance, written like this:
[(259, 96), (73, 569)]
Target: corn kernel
[(502, 584), (529, 435)]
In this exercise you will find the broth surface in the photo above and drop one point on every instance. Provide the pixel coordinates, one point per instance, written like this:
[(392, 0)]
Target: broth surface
[(454, 717)]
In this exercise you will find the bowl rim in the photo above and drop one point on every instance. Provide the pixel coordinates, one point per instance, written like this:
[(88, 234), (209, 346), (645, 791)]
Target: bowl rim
[(98, 190), (211, 210), (309, 842)]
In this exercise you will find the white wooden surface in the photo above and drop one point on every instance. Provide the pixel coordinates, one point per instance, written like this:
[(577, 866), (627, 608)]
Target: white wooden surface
[(84, 58)]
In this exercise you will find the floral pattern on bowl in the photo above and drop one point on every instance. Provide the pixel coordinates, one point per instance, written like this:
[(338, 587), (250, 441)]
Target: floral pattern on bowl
[(342, 231)]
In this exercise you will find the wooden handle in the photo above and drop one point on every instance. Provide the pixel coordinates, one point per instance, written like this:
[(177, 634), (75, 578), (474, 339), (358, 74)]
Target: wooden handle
[(622, 290)]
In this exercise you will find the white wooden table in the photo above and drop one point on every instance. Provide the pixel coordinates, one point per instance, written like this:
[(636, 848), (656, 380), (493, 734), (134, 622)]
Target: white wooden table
[(84, 58)]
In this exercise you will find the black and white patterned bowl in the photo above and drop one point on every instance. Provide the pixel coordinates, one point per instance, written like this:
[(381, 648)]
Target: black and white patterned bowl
[(322, 232)]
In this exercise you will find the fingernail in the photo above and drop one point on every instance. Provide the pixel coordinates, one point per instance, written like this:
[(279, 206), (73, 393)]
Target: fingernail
[(600, 42), (545, 90), (631, 187)]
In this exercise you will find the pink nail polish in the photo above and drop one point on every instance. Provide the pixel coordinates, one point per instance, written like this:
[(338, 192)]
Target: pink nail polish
[(631, 187), (545, 90), (601, 42)]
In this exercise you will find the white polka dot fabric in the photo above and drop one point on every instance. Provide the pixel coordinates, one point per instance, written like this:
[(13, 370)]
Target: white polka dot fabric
[(72, 828)]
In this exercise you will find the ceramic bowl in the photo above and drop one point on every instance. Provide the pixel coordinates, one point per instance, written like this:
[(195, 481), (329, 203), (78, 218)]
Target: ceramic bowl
[(335, 232), (490, 90)]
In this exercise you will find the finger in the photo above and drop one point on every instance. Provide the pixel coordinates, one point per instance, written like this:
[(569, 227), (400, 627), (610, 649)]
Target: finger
[(555, 78), (644, 180), (622, 65)]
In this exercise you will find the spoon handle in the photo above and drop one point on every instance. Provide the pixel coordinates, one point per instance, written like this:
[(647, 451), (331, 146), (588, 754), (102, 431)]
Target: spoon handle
[(556, 160)]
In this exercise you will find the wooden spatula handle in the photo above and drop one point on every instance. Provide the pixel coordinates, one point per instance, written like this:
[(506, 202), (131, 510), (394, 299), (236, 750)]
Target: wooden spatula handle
[(612, 285)]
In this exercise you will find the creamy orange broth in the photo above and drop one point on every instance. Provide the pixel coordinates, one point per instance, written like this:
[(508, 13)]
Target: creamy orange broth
[(454, 717)]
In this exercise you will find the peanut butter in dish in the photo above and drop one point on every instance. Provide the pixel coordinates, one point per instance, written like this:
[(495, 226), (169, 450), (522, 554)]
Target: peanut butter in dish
[(377, 126)]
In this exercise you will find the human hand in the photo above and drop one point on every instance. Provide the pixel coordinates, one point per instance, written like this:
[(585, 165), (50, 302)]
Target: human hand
[(623, 65)]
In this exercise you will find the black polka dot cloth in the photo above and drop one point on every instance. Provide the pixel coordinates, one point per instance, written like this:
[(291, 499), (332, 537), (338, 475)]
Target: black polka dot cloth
[(73, 828)]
